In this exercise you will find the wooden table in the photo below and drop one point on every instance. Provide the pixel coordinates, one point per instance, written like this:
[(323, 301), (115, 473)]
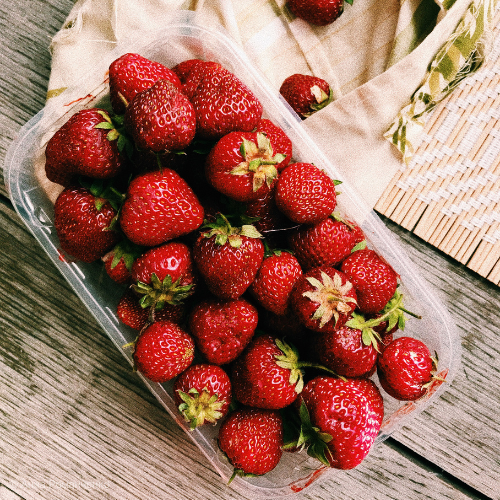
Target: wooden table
[(75, 422)]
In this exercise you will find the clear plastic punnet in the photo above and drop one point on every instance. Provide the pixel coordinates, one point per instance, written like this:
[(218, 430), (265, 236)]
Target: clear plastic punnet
[(185, 38)]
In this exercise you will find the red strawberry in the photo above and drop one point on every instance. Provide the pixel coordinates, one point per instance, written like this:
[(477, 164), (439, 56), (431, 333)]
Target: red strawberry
[(252, 439), (286, 326), (374, 279), (222, 328), (116, 269), (163, 351), (326, 243), (306, 94), (184, 68), (318, 12), (228, 257), (280, 141), (130, 74), (118, 261), (345, 352), (305, 194), (131, 313), (161, 118), (203, 394), (267, 374), (159, 206), (275, 280), (348, 414), (323, 299), (164, 275), (267, 218), (86, 145), (243, 165), (222, 102), (83, 223), (405, 368)]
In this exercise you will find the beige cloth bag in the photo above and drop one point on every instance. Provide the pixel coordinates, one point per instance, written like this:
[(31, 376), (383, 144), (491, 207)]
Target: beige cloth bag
[(352, 54)]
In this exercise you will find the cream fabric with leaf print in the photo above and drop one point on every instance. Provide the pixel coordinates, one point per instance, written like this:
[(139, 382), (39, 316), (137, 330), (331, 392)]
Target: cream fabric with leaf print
[(373, 57)]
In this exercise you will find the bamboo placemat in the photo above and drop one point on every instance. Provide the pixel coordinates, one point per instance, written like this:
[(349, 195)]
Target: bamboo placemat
[(449, 194)]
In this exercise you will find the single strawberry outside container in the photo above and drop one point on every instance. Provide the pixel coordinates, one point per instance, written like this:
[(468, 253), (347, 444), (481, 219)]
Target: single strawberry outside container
[(33, 197)]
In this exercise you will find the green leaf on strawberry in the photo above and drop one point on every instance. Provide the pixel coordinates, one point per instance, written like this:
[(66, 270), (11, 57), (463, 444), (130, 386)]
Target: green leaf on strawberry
[(312, 438), (160, 292), (224, 232), (393, 313)]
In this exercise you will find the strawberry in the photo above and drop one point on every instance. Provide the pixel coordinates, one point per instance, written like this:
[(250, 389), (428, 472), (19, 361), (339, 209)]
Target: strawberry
[(318, 12), (341, 419), (131, 313), (222, 102), (345, 352), (116, 268), (118, 261), (159, 206), (267, 374), (374, 279), (164, 275), (203, 394), (132, 73), (265, 214), (163, 351), (252, 439), (84, 224), (305, 194), (228, 257), (222, 328), (86, 145), (323, 299), (286, 326), (405, 368), (326, 243), (275, 280), (161, 118), (243, 165), (280, 141), (306, 94), (184, 68)]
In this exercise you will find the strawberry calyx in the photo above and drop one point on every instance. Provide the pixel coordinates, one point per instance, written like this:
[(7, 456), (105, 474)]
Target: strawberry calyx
[(260, 160), (200, 407), (434, 376), (311, 438), (224, 232), (116, 131), (289, 359), (393, 313), (240, 473), (125, 250), (331, 295), (322, 99), (159, 293)]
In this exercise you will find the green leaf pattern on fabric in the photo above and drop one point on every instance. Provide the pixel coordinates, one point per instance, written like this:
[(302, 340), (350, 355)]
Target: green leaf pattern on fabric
[(459, 57)]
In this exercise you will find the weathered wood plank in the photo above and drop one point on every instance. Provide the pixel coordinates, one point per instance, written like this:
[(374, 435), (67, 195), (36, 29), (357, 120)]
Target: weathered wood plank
[(461, 432), (26, 29), (74, 416), (6, 494)]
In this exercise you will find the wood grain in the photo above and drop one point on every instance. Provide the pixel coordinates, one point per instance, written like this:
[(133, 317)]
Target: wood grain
[(26, 28), (460, 431)]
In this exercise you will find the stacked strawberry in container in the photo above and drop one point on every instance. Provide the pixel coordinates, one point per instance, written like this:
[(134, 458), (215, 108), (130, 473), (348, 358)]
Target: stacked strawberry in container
[(249, 291)]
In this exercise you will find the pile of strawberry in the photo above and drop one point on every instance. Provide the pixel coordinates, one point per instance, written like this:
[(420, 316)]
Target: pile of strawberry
[(248, 289)]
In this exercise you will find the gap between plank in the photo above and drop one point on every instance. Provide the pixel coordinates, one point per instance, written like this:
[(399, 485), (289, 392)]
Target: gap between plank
[(429, 466)]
